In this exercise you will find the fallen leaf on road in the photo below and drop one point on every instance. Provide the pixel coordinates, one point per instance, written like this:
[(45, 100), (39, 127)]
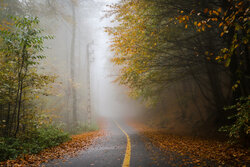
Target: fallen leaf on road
[(200, 151)]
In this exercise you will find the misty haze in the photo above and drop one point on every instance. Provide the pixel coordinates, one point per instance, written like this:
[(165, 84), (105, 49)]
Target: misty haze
[(111, 83)]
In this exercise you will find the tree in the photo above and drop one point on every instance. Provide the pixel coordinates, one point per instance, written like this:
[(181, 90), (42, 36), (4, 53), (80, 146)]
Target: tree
[(72, 61), (20, 81), (163, 42), (156, 51)]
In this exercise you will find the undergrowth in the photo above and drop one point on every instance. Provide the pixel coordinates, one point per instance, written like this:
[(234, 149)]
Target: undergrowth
[(44, 137), (82, 128)]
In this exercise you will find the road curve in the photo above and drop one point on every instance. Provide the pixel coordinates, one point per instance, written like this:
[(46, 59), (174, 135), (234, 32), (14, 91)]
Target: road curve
[(123, 146)]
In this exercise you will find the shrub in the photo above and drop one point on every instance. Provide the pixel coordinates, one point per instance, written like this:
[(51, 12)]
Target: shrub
[(45, 137), (49, 136), (239, 130), (9, 148), (81, 128)]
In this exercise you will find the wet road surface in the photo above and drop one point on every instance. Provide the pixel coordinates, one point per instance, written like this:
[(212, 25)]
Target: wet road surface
[(110, 150)]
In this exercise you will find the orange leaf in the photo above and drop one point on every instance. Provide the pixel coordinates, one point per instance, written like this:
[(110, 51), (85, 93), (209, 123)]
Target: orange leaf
[(219, 10), (215, 12), (206, 10)]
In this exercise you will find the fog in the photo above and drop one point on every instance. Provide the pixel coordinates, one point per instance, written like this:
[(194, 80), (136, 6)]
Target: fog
[(107, 99), (79, 56), (176, 110), (129, 82)]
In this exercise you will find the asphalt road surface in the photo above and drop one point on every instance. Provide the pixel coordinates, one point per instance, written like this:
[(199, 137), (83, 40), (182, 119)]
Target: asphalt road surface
[(122, 146)]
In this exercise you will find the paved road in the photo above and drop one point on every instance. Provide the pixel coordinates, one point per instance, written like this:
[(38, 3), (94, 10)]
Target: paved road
[(110, 150)]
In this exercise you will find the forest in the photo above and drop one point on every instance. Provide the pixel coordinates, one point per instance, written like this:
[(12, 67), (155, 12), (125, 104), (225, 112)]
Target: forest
[(184, 64), (38, 100), (198, 49)]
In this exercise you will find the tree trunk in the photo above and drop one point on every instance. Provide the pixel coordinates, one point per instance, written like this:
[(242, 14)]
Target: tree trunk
[(72, 65)]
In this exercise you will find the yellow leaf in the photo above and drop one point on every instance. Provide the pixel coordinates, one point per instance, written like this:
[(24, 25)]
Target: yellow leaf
[(240, 3), (215, 12), (245, 41), (203, 28), (219, 10), (214, 19), (217, 58)]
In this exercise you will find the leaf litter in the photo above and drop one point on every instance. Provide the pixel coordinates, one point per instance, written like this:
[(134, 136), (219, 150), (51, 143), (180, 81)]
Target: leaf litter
[(63, 151), (195, 150)]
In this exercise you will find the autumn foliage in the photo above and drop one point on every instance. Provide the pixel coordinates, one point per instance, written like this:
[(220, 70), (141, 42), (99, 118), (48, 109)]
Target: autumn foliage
[(159, 43), (62, 151), (195, 151)]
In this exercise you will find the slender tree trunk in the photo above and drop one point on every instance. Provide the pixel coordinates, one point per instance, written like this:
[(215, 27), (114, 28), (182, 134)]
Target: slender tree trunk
[(20, 89), (72, 65), (19, 108), (68, 90), (8, 120)]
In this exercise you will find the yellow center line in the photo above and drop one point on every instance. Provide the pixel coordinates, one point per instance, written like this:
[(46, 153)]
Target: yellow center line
[(126, 160)]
